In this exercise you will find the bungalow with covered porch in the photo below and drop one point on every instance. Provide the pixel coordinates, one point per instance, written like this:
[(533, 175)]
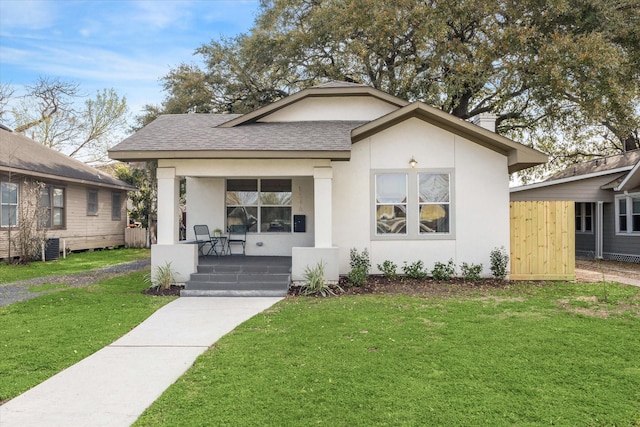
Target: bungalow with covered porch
[(330, 168)]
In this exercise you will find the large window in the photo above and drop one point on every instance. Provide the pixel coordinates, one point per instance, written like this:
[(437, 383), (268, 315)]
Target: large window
[(8, 204), (628, 214), (262, 205), (92, 202), (52, 207), (415, 204), (584, 217)]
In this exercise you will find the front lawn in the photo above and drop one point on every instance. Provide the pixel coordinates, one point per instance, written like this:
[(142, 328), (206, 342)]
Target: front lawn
[(559, 354), (74, 263), (42, 336)]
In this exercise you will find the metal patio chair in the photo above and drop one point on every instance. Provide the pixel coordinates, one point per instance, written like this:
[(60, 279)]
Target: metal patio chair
[(237, 235), (203, 238)]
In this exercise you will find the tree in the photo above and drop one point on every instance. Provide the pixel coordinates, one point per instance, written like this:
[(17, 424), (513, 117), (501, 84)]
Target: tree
[(144, 199), (561, 75), (48, 113)]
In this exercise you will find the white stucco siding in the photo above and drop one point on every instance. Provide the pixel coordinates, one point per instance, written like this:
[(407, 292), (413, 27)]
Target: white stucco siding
[(479, 196), (482, 203), (243, 167), (332, 108), (206, 205)]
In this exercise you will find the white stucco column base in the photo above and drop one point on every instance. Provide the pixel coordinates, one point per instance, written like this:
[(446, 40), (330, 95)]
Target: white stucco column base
[(322, 194), (183, 259), (301, 258)]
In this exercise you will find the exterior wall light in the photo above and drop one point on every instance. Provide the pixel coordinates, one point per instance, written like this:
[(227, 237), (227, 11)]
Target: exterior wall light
[(413, 162)]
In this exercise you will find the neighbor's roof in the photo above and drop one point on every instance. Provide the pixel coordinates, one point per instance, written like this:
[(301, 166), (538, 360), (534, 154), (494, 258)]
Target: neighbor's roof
[(626, 165), (199, 135), (22, 155)]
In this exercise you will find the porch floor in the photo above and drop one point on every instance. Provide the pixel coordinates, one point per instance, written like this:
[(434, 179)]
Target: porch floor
[(238, 275)]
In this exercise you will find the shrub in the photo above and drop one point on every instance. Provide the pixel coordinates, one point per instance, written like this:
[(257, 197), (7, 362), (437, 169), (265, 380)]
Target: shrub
[(499, 262), (314, 282), (163, 279), (389, 269), (358, 276), (442, 271), (471, 272), (415, 270), (360, 260)]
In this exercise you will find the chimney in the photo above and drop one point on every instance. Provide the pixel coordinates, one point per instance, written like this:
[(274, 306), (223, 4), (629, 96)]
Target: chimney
[(485, 120)]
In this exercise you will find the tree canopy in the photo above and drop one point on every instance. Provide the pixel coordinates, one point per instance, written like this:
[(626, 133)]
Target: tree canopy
[(562, 76), (49, 113)]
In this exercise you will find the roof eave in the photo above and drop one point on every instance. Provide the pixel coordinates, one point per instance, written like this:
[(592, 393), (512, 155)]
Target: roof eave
[(144, 155), (631, 181), (567, 180), (53, 177)]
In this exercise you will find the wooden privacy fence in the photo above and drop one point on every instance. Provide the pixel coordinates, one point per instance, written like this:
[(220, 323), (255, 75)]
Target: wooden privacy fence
[(135, 237), (543, 240)]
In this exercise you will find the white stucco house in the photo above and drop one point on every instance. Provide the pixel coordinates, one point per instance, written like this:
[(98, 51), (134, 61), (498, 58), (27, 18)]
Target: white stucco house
[(330, 168)]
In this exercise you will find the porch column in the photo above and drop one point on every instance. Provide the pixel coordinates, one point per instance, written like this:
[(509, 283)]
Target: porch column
[(168, 202), (322, 181), (599, 230)]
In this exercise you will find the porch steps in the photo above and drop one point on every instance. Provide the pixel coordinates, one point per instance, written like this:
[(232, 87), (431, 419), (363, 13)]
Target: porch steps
[(241, 278)]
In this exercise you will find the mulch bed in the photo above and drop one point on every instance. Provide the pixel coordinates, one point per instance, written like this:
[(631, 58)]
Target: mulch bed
[(381, 285), (174, 291)]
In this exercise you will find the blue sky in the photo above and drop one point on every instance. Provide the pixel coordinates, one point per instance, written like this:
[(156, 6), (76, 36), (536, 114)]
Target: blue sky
[(121, 44)]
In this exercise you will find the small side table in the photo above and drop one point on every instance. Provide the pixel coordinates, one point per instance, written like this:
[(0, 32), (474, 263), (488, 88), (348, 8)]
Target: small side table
[(224, 244)]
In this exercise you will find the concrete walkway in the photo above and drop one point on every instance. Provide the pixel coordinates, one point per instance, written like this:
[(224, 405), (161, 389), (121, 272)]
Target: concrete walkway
[(115, 385)]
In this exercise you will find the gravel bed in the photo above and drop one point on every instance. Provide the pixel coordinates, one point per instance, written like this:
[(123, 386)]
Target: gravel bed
[(19, 291)]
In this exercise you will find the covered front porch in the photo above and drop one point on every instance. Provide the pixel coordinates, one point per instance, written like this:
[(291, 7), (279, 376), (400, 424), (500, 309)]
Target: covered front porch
[(307, 195)]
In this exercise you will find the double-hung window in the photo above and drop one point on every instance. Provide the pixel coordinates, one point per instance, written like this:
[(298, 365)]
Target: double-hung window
[(116, 206), (628, 214), (262, 205), (584, 217), (412, 205), (92, 202), (8, 204), (51, 207)]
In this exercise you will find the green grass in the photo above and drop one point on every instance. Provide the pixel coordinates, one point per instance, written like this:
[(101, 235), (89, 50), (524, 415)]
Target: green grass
[(42, 336), (526, 355), (74, 263)]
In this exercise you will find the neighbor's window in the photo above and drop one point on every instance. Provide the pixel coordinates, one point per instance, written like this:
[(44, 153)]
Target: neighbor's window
[(434, 202), (92, 202), (8, 204), (116, 206), (262, 205), (391, 203), (52, 207), (584, 217), (628, 214)]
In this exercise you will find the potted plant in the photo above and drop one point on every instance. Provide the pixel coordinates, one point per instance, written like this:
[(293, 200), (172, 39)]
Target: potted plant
[(217, 232)]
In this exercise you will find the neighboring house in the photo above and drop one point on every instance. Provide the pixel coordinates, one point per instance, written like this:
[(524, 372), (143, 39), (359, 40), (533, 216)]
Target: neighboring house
[(330, 168), (606, 193), (80, 204)]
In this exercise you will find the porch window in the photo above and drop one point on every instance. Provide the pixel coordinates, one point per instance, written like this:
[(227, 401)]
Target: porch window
[(8, 204), (628, 214), (262, 205), (584, 217), (52, 207), (92, 202)]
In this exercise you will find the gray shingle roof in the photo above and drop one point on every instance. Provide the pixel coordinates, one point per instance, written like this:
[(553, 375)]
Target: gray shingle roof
[(199, 132), (24, 155), (602, 165)]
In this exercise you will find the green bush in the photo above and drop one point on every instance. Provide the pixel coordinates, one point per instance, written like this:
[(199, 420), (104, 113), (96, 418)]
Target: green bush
[(415, 270), (163, 279), (314, 282), (360, 260), (358, 276), (442, 271), (389, 269), (471, 272), (499, 262)]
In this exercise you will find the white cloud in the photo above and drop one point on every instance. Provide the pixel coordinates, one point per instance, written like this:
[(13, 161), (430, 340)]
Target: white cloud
[(27, 14)]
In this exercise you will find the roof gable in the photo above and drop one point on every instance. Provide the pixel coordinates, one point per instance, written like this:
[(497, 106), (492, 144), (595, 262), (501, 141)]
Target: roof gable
[(331, 89), (519, 156), (19, 154)]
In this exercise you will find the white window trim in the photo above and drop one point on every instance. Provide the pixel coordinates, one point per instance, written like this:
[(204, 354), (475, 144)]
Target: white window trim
[(629, 214), (260, 205), (583, 217), (413, 232)]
